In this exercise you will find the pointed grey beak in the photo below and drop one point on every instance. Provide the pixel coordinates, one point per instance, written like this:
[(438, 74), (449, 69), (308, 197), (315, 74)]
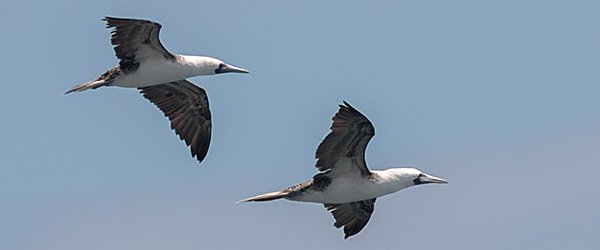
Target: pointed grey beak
[(224, 68), (425, 178)]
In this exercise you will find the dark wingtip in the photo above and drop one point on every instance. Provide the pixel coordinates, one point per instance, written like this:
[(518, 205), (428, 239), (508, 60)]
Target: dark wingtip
[(348, 234), (108, 18), (199, 157), (349, 108), (346, 105)]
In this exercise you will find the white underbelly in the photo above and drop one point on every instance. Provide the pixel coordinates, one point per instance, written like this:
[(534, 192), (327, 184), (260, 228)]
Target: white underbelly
[(343, 190), (154, 73)]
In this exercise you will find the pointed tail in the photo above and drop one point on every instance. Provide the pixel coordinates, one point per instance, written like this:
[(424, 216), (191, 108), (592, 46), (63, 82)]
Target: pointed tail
[(266, 197), (88, 85)]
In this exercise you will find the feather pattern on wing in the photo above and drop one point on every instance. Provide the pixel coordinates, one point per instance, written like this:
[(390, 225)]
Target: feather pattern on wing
[(186, 106), (350, 133), (353, 216), (136, 40)]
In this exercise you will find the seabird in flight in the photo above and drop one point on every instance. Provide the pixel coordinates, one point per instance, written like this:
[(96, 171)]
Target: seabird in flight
[(160, 76), (345, 186)]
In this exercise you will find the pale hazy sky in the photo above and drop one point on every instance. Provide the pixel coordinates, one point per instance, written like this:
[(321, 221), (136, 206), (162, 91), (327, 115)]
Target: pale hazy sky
[(501, 98)]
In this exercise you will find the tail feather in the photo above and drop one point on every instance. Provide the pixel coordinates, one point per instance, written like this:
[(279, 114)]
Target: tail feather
[(88, 85), (266, 197)]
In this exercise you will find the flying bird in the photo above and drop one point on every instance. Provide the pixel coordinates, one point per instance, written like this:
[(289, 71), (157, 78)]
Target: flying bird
[(160, 77), (345, 186)]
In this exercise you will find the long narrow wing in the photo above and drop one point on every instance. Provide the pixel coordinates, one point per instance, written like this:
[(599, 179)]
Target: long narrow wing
[(350, 133), (186, 106), (135, 40), (353, 216)]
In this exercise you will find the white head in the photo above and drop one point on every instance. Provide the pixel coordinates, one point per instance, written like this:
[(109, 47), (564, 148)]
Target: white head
[(408, 177), (212, 66)]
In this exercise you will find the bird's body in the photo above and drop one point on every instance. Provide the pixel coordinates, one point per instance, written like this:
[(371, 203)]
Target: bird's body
[(161, 77), (159, 70), (345, 186), (351, 188)]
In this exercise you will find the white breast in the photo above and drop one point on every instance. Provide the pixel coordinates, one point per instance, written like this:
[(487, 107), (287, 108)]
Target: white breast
[(154, 72)]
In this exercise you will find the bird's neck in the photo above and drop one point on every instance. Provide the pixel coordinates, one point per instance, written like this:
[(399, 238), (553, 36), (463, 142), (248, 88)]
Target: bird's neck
[(390, 180), (198, 65)]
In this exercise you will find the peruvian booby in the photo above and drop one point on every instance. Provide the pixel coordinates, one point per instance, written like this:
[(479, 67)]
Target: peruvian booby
[(345, 186), (160, 76)]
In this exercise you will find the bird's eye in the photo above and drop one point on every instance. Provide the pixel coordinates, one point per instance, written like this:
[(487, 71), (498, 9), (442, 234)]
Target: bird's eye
[(221, 69)]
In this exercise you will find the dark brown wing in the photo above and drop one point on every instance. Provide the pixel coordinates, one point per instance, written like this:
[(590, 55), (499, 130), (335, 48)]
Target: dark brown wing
[(135, 40), (350, 133), (186, 106), (353, 216)]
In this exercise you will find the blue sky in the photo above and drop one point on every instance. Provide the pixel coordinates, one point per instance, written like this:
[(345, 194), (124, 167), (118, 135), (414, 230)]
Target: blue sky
[(498, 97)]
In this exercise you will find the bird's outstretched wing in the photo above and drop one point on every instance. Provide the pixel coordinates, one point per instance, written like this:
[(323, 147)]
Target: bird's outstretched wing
[(186, 106), (343, 149), (135, 40), (353, 216)]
